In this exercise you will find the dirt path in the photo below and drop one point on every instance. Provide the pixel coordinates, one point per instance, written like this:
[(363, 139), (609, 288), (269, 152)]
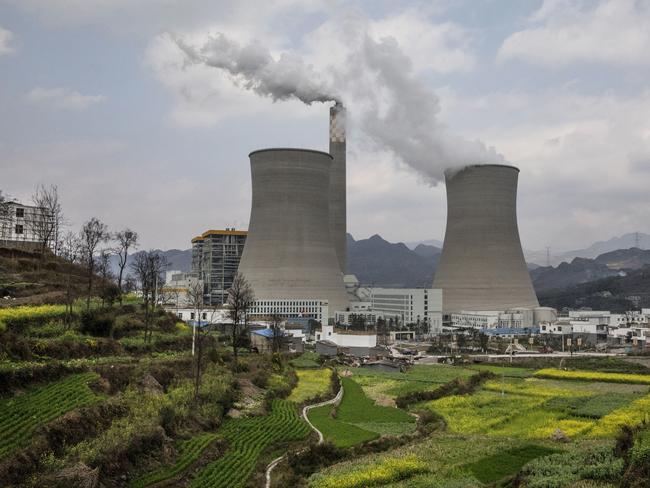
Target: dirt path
[(305, 411)]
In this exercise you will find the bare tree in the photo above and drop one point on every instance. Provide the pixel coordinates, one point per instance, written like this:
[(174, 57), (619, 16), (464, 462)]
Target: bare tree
[(147, 266), (4, 215), (48, 217), (126, 239), (277, 334), (195, 299), (240, 299), (130, 284), (71, 252), (104, 271), (92, 234)]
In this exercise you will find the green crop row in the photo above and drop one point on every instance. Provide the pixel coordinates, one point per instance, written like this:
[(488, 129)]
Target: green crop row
[(247, 438), (21, 415), (188, 453)]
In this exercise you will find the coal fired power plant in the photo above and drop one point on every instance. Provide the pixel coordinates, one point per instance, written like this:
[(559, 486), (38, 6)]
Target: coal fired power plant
[(482, 265), (337, 193), (289, 253)]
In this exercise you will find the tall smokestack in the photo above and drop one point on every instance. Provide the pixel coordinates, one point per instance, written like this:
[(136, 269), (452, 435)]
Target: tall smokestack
[(337, 189), (289, 252), (482, 266)]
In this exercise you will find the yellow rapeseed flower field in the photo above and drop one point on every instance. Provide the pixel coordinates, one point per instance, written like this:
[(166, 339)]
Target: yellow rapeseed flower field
[(638, 379), (311, 383), (42, 312), (386, 471)]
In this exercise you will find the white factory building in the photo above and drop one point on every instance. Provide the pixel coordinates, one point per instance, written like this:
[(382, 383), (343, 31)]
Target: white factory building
[(515, 318), (314, 308)]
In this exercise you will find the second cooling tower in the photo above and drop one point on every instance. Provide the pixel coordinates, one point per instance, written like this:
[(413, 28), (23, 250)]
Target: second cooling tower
[(482, 266), (289, 252)]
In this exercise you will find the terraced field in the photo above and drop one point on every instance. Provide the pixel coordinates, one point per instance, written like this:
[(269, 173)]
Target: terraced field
[(503, 428), (421, 377), (22, 414), (541, 408), (448, 462), (358, 418), (247, 439), (189, 452)]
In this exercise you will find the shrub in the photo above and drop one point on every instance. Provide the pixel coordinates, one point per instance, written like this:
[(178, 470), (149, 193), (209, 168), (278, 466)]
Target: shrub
[(126, 324), (458, 386), (97, 323), (260, 379), (166, 323), (314, 458)]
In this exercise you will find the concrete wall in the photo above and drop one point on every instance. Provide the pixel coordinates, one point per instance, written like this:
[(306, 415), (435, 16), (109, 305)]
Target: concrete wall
[(482, 265), (289, 252)]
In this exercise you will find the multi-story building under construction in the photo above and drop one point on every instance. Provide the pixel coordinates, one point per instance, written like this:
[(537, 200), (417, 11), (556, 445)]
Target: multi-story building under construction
[(215, 260)]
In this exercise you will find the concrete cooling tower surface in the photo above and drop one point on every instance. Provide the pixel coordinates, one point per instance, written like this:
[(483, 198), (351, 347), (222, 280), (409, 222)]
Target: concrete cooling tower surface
[(289, 252), (482, 266)]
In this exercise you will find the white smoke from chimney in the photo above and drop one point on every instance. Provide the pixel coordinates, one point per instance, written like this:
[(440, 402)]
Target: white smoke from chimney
[(253, 68), (374, 80)]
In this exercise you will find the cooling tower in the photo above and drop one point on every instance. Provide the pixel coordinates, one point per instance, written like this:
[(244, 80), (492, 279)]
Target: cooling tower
[(289, 252), (337, 190), (482, 266)]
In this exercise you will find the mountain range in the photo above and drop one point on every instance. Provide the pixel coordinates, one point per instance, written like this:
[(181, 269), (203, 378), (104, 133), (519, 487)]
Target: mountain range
[(376, 261)]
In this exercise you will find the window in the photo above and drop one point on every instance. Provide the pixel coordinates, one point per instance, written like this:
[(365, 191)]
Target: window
[(19, 229), (180, 315), (20, 213), (205, 315), (192, 315)]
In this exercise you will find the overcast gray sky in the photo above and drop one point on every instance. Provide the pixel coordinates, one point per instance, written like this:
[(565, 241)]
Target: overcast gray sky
[(97, 98)]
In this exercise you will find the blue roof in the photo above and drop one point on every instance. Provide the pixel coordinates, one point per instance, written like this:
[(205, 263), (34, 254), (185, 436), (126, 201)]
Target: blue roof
[(268, 333), (198, 323), (511, 331)]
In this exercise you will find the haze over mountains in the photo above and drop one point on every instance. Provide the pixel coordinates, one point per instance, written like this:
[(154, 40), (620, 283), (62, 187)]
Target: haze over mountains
[(376, 261)]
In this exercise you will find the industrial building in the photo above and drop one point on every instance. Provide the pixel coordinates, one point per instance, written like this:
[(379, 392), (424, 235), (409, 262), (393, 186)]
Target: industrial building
[(409, 306), (289, 254), (215, 260), (482, 264), (289, 309)]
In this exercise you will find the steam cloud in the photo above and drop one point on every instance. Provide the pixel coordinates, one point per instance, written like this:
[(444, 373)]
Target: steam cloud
[(376, 83)]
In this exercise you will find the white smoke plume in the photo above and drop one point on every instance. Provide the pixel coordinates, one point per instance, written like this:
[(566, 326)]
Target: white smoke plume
[(253, 68), (385, 100)]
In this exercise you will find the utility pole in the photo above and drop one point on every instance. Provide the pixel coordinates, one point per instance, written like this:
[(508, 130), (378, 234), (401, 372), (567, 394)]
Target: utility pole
[(636, 240), (548, 256)]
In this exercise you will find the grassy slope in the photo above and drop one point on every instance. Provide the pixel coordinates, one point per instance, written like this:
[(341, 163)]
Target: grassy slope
[(32, 281), (358, 418)]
